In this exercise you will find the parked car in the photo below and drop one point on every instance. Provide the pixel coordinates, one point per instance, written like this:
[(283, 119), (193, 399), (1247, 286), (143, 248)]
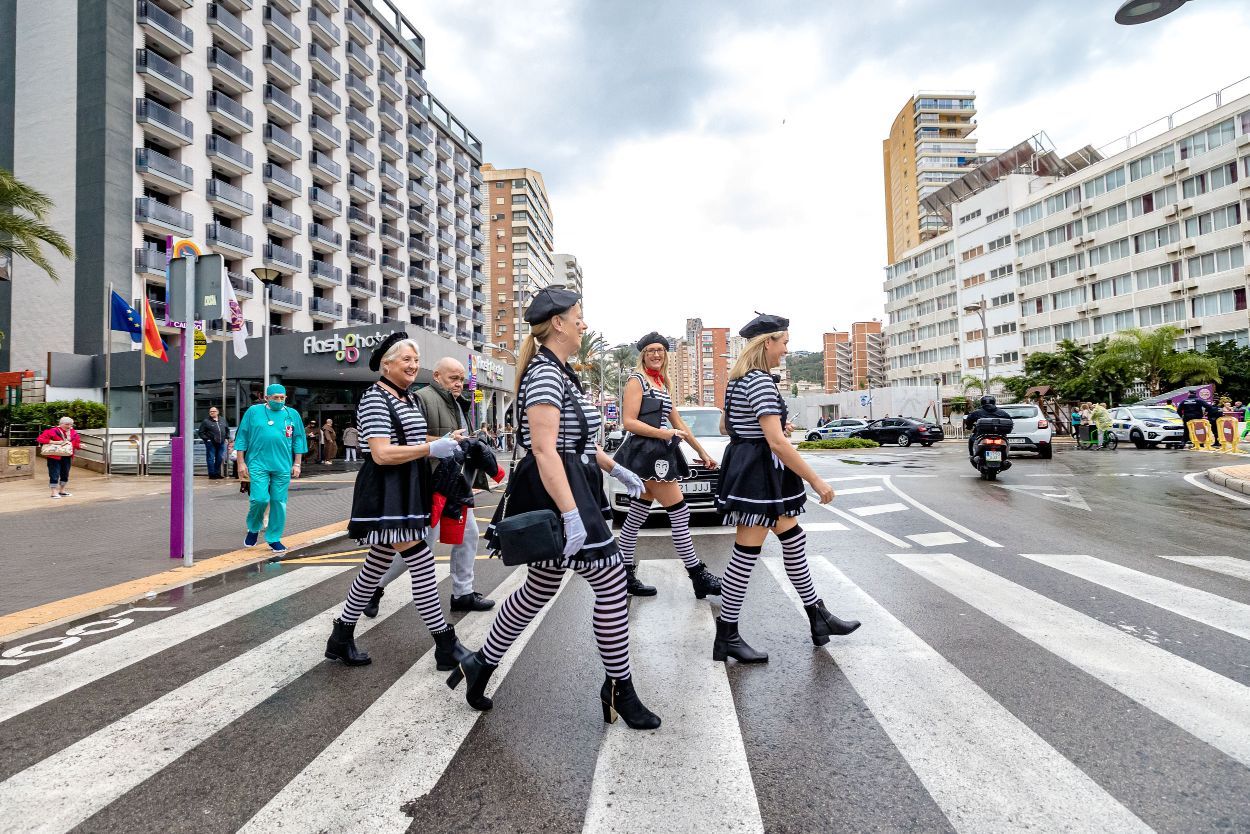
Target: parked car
[(1031, 431), (902, 431), (836, 429), (700, 490), (1146, 426)]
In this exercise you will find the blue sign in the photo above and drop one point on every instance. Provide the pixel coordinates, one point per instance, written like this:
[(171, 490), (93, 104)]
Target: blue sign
[(609, 411), (864, 399)]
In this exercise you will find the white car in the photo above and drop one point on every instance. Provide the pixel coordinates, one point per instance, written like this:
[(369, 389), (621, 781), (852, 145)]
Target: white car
[(1030, 432), (1146, 426), (700, 490), (835, 429)]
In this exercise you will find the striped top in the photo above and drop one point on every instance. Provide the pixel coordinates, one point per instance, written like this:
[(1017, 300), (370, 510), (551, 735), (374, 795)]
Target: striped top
[(546, 383), (374, 418), (650, 390), (749, 398)]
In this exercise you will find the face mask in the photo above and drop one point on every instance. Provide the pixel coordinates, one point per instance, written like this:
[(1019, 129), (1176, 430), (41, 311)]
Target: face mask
[(276, 405)]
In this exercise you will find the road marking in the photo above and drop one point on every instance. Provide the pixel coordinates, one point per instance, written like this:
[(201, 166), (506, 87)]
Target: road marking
[(985, 768), (27, 690), (396, 750), (1227, 565), (895, 542), (1192, 478), (663, 532), (1209, 609), (936, 539), (824, 526), (878, 509), (1068, 496), (71, 785), (1208, 706), (700, 744), (934, 514), (859, 490)]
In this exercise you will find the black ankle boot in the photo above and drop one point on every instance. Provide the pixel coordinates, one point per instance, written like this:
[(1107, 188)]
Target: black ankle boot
[(342, 645), (825, 624), (729, 643), (448, 653), (619, 697), (704, 581), (477, 671), (635, 585), (371, 610)]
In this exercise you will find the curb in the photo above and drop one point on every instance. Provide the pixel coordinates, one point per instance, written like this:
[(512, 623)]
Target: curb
[(1220, 477)]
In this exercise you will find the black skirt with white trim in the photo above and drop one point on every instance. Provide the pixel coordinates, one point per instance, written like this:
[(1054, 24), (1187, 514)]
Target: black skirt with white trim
[(390, 503), (754, 488), (653, 459)]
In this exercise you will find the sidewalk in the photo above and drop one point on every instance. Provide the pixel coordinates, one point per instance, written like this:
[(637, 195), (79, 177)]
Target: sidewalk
[(1235, 478)]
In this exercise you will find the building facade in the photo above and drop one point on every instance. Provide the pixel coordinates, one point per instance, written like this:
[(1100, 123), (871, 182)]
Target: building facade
[(569, 273), (854, 360)]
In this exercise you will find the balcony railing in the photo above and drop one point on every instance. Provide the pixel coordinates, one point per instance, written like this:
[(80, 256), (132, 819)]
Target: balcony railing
[(389, 114), (415, 78), (357, 316), (395, 296), (219, 102), (220, 146), (361, 184), (223, 235), (320, 55), (151, 64), (391, 204), (362, 217), (149, 260), (155, 162), (242, 284), (356, 249), (282, 27), (232, 194), (420, 248), (284, 296), (320, 125), (229, 26), (152, 112), (319, 20), (221, 60), (421, 275), (356, 84), (390, 54), (325, 273), (285, 104), (282, 255), (358, 22), (391, 173), (416, 217), (356, 52), (151, 210), (325, 234), (285, 179), (447, 283), (393, 233), (361, 283), (326, 165), (362, 121), (275, 135), (392, 264), (396, 147), (361, 152), (325, 307), (390, 84), (275, 57), (421, 304), (285, 218), (179, 35), (325, 199)]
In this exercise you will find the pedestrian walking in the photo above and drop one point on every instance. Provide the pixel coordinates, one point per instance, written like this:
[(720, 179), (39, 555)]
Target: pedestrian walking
[(313, 439), (214, 433), (391, 502), (269, 449), (652, 449), (58, 445), (444, 412), (329, 442), (1191, 408), (351, 439), (562, 472), (761, 489)]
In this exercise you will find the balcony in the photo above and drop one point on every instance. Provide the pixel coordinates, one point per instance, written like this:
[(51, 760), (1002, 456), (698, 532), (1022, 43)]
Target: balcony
[(163, 219), (390, 86), (478, 237), (322, 59), (417, 165), (478, 257), (285, 298), (446, 307), (447, 283), (415, 80), (360, 125), (228, 71), (360, 219), (323, 199), (284, 260), (462, 162), (475, 176), (282, 181), (444, 147), (421, 195), (445, 172), (228, 29), (390, 56), (281, 30), (164, 76), (228, 199), (359, 286), (393, 297), (463, 250), (393, 234), (393, 174), (280, 221), (243, 286), (419, 248), (419, 110), (281, 144), (463, 228), (162, 173), (325, 134), (357, 25), (324, 274), (357, 316), (359, 58), (479, 297), (159, 121), (228, 113), (421, 276), (228, 156), (325, 309), (476, 217), (447, 330), (359, 154), (462, 186), (163, 28), (359, 90), (361, 253), (324, 99), (393, 266), (463, 270), (479, 277), (281, 65), (361, 186), (419, 304), (446, 238), (321, 27), (389, 116), (392, 148), (220, 236), (324, 239), (323, 164), (328, 6), (418, 218), (281, 107)]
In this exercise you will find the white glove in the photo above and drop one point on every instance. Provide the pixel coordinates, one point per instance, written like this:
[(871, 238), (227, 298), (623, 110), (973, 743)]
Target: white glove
[(574, 532), (632, 483), (444, 447)]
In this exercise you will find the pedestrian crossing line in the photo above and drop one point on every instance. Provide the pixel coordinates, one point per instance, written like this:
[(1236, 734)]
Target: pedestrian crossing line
[(396, 750), (878, 509), (824, 527), (699, 744), (863, 525), (1206, 705), (664, 532), (985, 768), (938, 516), (859, 490), (1200, 606), (76, 782), (30, 688), (1227, 565), (936, 539)]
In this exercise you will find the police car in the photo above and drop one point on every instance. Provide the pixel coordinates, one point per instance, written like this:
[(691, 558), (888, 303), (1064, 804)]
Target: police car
[(836, 429), (1146, 426)]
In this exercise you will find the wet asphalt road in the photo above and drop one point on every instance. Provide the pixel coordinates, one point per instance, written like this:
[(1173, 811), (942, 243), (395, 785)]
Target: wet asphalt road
[(1064, 649)]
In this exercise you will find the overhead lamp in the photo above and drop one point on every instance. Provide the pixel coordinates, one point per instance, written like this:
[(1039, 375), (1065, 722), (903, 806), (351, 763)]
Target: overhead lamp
[(1133, 12)]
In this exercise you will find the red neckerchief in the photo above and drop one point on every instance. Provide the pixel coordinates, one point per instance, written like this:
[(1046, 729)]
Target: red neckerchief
[(656, 377)]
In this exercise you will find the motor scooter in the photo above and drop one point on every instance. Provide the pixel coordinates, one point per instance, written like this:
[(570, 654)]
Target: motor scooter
[(989, 448)]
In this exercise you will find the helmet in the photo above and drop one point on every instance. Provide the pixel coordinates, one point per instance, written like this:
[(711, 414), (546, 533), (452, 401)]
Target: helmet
[(988, 402)]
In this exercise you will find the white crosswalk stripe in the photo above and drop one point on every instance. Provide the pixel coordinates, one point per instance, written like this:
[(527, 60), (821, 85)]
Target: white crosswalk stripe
[(1227, 565), (878, 509)]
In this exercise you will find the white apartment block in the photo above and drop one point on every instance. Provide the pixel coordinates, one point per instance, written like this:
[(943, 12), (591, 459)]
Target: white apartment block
[(569, 273)]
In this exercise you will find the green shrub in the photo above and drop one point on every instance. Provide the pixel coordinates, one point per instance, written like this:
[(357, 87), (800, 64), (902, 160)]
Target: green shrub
[(840, 443), (86, 414)]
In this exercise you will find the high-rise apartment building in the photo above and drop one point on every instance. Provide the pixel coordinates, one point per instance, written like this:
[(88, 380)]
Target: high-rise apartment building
[(569, 273), (854, 360), (520, 252), (930, 144), (295, 135)]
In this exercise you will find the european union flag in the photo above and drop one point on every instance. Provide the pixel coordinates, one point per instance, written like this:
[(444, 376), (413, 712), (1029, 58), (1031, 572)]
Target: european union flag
[(125, 318)]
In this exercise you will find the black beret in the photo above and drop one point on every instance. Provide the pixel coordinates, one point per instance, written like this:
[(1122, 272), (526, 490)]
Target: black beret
[(763, 323), (550, 301), (375, 358), (651, 338)]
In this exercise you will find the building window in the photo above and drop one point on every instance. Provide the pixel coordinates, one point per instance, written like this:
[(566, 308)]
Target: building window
[(1213, 221), (1207, 140), (1148, 165), (1157, 276), (1210, 263)]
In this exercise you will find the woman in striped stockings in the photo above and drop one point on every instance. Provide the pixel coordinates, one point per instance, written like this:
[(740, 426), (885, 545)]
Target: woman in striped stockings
[(761, 489), (391, 502), (563, 472), (653, 450)]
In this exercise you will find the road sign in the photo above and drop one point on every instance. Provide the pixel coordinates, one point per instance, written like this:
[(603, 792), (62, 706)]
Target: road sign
[(609, 411), (865, 399), (201, 344), (479, 396)]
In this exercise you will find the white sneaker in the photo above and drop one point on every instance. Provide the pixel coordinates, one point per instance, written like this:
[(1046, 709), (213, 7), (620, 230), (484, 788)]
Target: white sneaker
[(55, 495)]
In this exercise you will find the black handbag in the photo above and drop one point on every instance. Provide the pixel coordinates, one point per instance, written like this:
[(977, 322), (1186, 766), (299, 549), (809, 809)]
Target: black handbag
[(651, 412), (536, 536)]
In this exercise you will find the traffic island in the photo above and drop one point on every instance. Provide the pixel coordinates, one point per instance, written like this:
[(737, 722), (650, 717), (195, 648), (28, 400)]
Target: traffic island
[(1235, 478)]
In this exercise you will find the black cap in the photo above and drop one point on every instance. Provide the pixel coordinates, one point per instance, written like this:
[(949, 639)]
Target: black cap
[(651, 338), (763, 323), (550, 301), (375, 358)]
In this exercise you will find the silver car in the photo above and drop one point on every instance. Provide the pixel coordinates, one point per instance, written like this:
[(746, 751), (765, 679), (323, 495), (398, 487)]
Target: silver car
[(1146, 426), (835, 429)]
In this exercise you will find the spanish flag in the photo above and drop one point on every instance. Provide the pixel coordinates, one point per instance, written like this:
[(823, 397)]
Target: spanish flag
[(153, 345)]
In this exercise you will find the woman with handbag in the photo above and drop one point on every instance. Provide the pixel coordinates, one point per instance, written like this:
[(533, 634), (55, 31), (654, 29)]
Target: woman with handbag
[(653, 450), (558, 488), (58, 445), (391, 502), (761, 490)]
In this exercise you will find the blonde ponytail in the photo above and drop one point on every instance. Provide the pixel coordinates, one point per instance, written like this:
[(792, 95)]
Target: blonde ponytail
[(529, 347), (754, 356)]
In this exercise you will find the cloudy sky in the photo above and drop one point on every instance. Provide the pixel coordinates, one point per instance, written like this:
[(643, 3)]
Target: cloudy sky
[(713, 157)]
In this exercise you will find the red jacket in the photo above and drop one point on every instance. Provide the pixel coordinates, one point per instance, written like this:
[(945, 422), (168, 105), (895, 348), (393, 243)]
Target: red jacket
[(55, 435)]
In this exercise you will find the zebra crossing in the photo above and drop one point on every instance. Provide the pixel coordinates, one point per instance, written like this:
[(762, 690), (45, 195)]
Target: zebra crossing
[(995, 706)]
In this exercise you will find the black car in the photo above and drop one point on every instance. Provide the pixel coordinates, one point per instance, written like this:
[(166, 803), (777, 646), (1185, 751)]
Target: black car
[(903, 431)]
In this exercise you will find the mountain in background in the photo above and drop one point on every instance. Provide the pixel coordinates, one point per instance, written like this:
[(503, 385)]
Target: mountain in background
[(806, 366)]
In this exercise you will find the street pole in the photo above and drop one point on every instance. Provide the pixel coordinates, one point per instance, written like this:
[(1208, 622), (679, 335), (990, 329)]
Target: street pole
[(264, 383), (985, 342), (186, 376), (108, 371)]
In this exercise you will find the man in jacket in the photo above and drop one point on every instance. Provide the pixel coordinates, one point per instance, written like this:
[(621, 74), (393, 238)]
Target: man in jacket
[(989, 408), (214, 433), (1191, 408)]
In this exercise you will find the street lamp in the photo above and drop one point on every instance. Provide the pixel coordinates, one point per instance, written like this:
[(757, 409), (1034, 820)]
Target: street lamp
[(266, 275), (979, 309), (1133, 12)]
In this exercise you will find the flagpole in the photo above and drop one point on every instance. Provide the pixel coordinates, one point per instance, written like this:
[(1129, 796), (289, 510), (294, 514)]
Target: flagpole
[(140, 461), (225, 336), (108, 371)]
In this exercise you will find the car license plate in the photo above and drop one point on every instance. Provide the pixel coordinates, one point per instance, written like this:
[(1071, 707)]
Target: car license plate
[(696, 487), (1018, 441), (994, 456)]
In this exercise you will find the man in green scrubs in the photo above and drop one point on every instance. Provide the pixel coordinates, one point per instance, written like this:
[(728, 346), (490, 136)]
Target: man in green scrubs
[(271, 439)]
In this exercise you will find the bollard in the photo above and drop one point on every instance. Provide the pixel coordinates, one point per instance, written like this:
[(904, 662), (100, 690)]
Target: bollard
[(1228, 433), (1200, 434)]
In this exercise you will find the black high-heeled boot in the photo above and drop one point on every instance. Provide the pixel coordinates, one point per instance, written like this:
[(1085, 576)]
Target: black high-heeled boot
[(729, 643), (826, 624), (619, 698), (342, 645), (635, 586), (477, 671), (704, 581), (448, 652), (371, 610)]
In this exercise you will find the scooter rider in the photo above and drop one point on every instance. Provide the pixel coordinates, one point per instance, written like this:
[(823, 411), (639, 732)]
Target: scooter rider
[(989, 408)]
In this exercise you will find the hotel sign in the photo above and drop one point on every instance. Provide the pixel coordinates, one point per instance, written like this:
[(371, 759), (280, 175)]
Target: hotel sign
[(346, 347)]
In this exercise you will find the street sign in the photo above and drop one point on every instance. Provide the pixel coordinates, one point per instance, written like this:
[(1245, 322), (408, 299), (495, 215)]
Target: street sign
[(609, 411), (207, 300), (479, 396), (864, 399), (201, 344)]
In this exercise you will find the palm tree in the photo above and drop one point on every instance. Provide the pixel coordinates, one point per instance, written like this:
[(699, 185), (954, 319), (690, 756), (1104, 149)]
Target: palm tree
[(589, 357), (23, 226), (621, 361), (1152, 357), (970, 382)]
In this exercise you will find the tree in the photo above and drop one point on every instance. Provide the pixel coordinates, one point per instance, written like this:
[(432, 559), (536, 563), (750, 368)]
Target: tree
[(24, 228), (975, 382), (1234, 365), (1152, 358), (588, 360)]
